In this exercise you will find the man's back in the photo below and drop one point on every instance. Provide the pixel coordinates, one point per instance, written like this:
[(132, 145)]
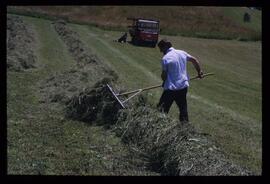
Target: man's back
[(175, 78), (174, 63)]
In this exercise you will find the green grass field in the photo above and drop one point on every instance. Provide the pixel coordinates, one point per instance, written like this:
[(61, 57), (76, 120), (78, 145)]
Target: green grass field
[(227, 106)]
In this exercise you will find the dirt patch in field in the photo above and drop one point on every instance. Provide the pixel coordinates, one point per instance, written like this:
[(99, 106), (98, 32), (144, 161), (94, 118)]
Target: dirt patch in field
[(20, 44)]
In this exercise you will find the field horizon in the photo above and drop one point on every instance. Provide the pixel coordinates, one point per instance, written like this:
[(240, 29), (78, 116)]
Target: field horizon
[(192, 21)]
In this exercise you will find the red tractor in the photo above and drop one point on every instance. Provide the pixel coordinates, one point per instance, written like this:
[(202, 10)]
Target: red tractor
[(144, 31)]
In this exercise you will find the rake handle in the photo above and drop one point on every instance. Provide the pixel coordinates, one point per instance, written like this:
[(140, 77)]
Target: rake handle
[(156, 86), (137, 90), (204, 75)]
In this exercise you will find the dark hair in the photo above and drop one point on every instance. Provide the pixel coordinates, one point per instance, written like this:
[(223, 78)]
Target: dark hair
[(164, 43)]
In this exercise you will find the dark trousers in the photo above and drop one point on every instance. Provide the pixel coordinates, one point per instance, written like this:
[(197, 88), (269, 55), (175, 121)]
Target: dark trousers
[(179, 96)]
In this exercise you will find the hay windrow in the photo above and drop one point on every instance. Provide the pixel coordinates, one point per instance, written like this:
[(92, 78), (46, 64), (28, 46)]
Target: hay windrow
[(76, 47), (20, 44), (172, 148), (88, 69), (60, 87), (94, 104)]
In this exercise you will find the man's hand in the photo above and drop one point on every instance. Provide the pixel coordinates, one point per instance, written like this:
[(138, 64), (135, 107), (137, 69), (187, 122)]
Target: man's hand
[(196, 64), (200, 74)]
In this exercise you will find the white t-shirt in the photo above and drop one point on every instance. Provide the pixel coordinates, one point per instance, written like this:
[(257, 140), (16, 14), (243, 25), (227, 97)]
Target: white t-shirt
[(174, 63)]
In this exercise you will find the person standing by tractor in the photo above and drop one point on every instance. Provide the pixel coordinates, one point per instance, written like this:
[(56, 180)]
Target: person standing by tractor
[(123, 38), (175, 78)]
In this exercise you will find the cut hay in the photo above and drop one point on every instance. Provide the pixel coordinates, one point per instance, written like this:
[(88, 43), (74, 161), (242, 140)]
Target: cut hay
[(20, 44), (94, 104), (171, 148), (61, 86), (78, 50), (88, 69)]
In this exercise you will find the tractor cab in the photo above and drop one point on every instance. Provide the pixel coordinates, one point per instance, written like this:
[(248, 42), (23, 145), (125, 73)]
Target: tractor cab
[(144, 31)]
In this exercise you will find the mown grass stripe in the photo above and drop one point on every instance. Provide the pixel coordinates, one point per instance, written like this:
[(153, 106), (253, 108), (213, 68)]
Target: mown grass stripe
[(126, 58)]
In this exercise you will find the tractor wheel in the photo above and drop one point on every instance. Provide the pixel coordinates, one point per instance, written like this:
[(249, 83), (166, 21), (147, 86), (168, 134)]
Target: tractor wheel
[(153, 44), (135, 41)]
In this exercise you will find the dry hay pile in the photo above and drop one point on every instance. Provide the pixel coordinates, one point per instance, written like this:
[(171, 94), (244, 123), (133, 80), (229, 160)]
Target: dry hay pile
[(173, 148), (75, 46), (94, 104), (20, 44)]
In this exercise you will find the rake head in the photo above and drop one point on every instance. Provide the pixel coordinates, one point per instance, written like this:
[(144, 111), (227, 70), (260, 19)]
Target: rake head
[(115, 96)]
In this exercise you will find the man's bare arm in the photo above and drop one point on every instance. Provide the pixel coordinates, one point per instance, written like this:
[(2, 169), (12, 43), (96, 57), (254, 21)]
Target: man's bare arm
[(196, 65)]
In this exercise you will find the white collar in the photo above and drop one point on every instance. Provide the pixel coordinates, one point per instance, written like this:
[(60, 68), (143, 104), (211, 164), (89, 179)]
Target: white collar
[(170, 49)]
